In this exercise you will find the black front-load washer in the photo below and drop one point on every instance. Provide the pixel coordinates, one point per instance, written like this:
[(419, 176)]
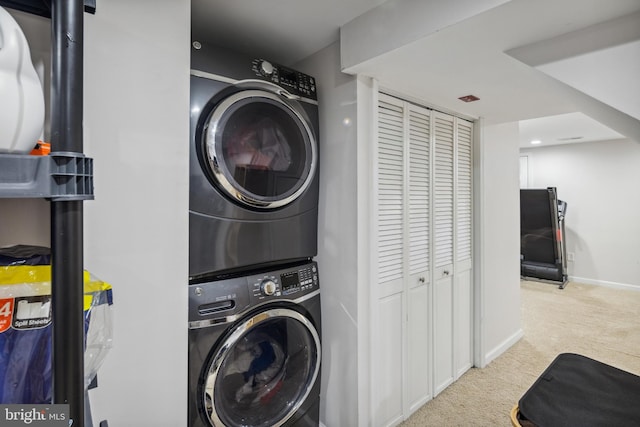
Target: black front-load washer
[(254, 349), (254, 161)]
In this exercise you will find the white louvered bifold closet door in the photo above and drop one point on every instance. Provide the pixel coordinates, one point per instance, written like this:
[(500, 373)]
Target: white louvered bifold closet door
[(443, 191), (418, 383), (464, 188), (390, 194), (463, 277), (443, 231), (422, 229), (419, 191), (388, 340)]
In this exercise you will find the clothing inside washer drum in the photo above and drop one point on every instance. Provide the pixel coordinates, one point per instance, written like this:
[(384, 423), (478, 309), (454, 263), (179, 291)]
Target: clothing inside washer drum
[(262, 365), (262, 375)]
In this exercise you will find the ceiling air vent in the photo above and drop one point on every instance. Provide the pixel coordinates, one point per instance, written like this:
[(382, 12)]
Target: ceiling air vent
[(571, 138), (469, 98)]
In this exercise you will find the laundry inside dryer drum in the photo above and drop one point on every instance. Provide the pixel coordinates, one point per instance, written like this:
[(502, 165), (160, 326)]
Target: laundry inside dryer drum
[(259, 149)]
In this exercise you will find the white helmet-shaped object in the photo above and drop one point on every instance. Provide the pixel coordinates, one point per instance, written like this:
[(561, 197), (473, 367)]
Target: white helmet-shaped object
[(21, 96)]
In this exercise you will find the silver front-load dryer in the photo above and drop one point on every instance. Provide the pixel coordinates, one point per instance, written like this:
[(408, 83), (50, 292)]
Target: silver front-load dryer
[(255, 349), (253, 163)]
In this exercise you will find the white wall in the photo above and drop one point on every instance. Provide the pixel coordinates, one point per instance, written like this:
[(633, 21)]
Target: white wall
[(24, 222), (498, 240), (599, 181), (337, 236), (136, 128)]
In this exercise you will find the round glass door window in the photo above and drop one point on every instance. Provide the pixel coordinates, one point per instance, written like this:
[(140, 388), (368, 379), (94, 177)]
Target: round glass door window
[(260, 149), (263, 371)]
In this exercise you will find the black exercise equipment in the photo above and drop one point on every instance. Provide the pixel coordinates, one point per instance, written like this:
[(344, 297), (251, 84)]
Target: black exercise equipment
[(542, 238)]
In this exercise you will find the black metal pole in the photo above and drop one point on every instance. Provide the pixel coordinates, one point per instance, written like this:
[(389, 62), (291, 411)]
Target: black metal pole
[(67, 215)]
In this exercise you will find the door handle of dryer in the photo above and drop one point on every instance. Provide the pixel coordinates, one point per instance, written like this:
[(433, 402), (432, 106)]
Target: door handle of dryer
[(254, 83)]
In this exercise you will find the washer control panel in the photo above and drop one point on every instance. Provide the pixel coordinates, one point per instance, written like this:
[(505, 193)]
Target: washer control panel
[(220, 300), (293, 81), (289, 283)]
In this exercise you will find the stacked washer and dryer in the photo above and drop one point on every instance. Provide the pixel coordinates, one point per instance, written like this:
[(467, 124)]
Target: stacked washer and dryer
[(254, 292)]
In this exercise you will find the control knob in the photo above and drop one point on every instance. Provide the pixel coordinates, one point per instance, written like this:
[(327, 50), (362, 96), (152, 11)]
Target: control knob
[(266, 68), (268, 287)]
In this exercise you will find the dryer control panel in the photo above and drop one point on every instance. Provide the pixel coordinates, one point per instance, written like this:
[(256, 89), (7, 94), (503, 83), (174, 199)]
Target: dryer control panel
[(293, 81), (212, 59)]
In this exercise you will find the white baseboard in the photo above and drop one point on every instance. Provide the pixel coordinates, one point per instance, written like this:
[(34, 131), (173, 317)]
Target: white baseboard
[(604, 283), (502, 347)]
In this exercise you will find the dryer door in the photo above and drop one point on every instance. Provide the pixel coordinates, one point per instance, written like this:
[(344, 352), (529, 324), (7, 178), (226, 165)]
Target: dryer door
[(263, 371), (260, 147)]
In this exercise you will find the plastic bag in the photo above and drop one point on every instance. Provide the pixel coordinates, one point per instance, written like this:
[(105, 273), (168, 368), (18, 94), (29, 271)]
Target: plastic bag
[(25, 331)]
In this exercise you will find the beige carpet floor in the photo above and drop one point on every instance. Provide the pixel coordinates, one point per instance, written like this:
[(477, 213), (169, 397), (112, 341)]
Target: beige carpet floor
[(597, 322)]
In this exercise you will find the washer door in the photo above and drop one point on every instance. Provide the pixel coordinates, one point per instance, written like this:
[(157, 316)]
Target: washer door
[(260, 148), (263, 371)]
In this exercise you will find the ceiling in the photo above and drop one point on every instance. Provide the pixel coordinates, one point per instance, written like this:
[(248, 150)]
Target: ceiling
[(284, 31), (562, 68), (569, 128)]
